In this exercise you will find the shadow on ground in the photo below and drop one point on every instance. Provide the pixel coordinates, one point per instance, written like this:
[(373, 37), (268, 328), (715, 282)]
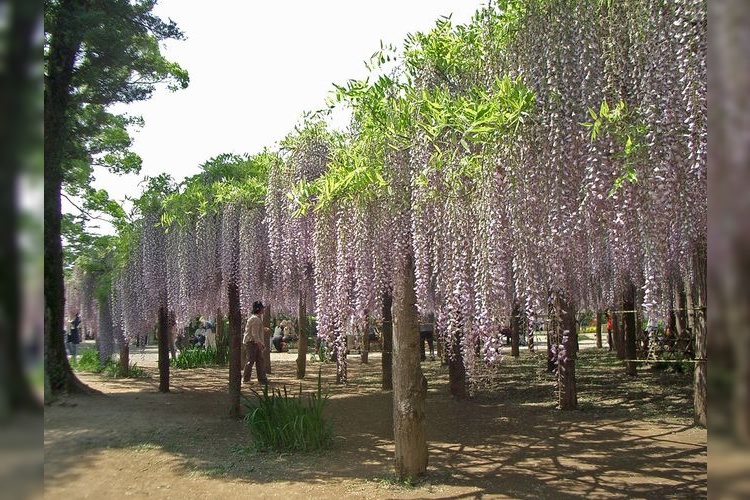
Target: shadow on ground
[(631, 437)]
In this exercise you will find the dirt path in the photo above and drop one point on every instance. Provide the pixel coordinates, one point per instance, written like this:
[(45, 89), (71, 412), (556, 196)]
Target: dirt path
[(630, 438)]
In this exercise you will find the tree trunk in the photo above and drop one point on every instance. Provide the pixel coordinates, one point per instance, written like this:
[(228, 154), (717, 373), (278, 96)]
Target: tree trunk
[(302, 340), (125, 358), (16, 94), (105, 341), (599, 317), (681, 314), (163, 326), (529, 332), (566, 326), (439, 347), (410, 385), (267, 334), (701, 366), (64, 44), (618, 336), (221, 337), (456, 369), (340, 351), (552, 341), (631, 330), (235, 350), (387, 333), (515, 330), (364, 353)]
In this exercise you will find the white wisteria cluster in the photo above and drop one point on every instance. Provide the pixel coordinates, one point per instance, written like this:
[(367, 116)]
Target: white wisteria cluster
[(290, 238), (254, 259)]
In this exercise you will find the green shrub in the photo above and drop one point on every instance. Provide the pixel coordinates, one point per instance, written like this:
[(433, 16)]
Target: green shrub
[(195, 357), (284, 422), (113, 370), (87, 361)]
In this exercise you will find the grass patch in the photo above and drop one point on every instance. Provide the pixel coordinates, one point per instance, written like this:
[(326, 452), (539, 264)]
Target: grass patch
[(392, 482), (144, 447), (280, 421), (195, 357), (88, 361), (114, 370)]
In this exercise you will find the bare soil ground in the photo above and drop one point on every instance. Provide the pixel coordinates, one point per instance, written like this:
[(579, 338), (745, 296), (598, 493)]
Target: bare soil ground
[(630, 437)]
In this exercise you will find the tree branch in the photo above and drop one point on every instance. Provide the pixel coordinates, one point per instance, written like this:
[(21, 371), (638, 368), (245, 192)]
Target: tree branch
[(86, 212)]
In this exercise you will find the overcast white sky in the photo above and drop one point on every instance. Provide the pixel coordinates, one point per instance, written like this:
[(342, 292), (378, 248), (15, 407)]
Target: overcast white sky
[(255, 67)]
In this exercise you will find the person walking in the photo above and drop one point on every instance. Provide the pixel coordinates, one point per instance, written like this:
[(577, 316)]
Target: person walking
[(75, 336), (253, 340), (427, 334)]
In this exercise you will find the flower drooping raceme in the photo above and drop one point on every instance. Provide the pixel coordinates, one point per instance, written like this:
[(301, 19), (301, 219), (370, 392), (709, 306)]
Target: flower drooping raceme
[(492, 264), (254, 262), (324, 239), (206, 275), (153, 242), (73, 291), (118, 324), (367, 294), (181, 251), (343, 300), (229, 260), (138, 317), (290, 236)]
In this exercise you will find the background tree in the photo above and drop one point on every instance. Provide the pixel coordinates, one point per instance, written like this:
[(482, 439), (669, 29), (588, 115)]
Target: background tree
[(96, 53), (729, 232), (19, 135)]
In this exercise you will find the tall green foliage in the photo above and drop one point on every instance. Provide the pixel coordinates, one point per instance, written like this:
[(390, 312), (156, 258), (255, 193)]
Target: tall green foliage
[(96, 53), (281, 421)]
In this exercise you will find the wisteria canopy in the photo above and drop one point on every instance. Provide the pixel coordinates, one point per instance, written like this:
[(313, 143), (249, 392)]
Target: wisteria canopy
[(546, 147)]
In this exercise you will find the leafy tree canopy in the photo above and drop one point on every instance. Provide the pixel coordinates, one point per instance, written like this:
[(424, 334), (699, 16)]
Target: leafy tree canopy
[(118, 60)]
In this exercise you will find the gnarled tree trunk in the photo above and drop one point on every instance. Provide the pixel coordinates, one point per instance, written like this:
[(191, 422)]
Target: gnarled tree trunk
[(566, 325), (64, 44), (599, 317), (410, 385), (235, 350), (701, 367)]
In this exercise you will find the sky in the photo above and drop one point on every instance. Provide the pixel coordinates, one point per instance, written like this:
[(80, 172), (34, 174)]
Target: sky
[(255, 67)]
